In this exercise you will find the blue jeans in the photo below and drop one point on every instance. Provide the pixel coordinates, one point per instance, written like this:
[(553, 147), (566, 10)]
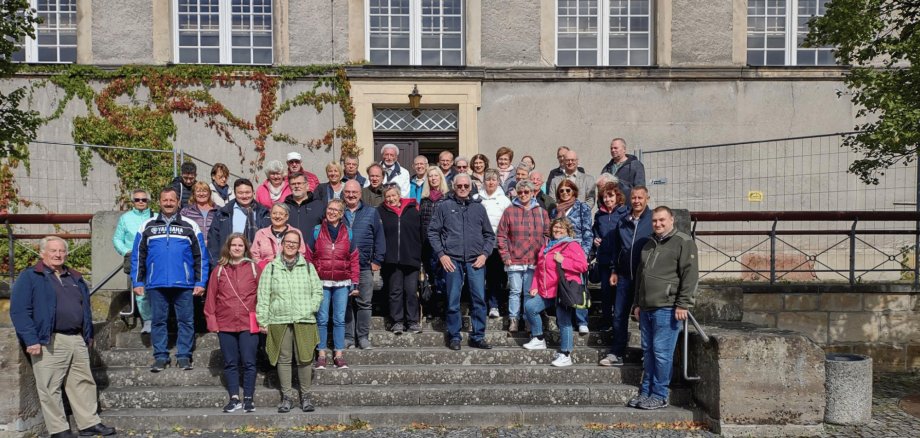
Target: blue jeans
[(181, 300), (475, 278), (519, 283), (622, 304), (338, 298), (239, 350), (659, 331), (537, 304)]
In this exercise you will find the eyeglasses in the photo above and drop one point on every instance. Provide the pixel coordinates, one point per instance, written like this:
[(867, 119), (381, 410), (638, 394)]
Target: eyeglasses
[(290, 244), (141, 200), (571, 160), (461, 186), (335, 210), (565, 190), (293, 161), (525, 192), (297, 184)]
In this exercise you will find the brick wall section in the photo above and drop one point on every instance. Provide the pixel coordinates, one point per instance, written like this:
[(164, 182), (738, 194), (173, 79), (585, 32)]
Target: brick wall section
[(877, 320)]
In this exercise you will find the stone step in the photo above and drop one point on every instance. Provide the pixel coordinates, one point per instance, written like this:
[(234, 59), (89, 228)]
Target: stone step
[(380, 395), (127, 357), (177, 419), (378, 338), (581, 373)]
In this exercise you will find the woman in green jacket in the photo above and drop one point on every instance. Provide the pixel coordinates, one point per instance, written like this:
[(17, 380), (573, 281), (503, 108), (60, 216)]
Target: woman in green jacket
[(289, 295)]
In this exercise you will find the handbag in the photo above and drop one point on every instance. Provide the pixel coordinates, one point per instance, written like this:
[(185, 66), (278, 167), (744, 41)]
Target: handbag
[(571, 293), (425, 291), (594, 272)]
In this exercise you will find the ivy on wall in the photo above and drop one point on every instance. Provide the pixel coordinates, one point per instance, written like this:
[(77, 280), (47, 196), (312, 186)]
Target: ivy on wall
[(136, 106)]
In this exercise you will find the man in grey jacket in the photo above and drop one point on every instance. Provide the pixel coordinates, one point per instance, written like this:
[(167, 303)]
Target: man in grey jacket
[(666, 287), (462, 238), (573, 173)]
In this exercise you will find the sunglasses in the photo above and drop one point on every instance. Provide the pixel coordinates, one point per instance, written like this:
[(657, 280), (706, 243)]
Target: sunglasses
[(141, 200), (525, 192), (565, 190), (462, 186)]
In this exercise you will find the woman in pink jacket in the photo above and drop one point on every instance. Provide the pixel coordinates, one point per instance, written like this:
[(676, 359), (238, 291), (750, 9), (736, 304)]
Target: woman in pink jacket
[(267, 242), (230, 299), (275, 187), (562, 249)]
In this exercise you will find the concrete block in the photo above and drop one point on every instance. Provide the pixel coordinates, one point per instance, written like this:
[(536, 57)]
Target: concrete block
[(878, 302), (811, 324), (849, 389), (853, 327), (800, 302), (768, 302), (718, 303), (758, 379), (899, 327), (20, 411), (766, 319), (840, 301)]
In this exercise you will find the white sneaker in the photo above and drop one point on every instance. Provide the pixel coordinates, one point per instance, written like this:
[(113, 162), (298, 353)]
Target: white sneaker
[(493, 313), (536, 344), (563, 361), (583, 330), (146, 327)]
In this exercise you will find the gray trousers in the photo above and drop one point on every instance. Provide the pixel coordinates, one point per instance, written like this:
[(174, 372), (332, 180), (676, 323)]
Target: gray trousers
[(358, 313)]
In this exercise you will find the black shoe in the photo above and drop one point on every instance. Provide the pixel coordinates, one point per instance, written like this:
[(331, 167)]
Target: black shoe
[(99, 429), (454, 345), (248, 406), (63, 434), (159, 365), (233, 405), (307, 406), (482, 344)]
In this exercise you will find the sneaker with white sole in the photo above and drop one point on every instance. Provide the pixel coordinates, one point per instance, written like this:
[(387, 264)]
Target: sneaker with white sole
[(611, 360), (634, 402), (145, 329), (583, 330), (536, 344), (248, 405), (652, 402), (233, 405), (563, 360), (493, 313)]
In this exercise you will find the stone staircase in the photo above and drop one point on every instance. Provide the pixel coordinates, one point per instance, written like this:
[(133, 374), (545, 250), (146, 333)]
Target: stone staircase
[(411, 378)]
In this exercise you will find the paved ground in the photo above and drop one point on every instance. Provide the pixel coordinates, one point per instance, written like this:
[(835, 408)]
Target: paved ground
[(888, 420)]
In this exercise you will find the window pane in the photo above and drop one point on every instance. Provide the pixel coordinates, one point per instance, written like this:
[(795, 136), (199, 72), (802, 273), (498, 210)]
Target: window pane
[(638, 41), (400, 42), (755, 41), (587, 41), (379, 57), (638, 57), (805, 57), (210, 56), (776, 57), (566, 57), (47, 54), (619, 57), (452, 57), (431, 57), (431, 42), (568, 41), (755, 57), (241, 56), (587, 58), (399, 57), (210, 40), (262, 56), (188, 56), (379, 41), (826, 57), (238, 40), (262, 40)]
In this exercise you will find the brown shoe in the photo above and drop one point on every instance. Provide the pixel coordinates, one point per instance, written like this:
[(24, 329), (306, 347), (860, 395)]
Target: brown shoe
[(513, 326)]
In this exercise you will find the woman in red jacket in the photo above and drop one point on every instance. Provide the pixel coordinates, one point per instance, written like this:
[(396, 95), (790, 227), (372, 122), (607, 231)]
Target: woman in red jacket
[(230, 300), (564, 250), (331, 249)]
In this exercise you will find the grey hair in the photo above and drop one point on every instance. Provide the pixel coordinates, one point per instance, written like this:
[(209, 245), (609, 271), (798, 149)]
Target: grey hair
[(392, 186), (524, 184), (461, 158), (524, 166), (461, 176), (607, 177), (491, 174), (389, 146), (42, 244), (283, 206), (140, 190), (275, 166)]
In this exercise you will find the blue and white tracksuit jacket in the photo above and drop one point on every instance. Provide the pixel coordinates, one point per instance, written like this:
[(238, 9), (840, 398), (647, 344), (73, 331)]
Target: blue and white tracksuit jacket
[(169, 254)]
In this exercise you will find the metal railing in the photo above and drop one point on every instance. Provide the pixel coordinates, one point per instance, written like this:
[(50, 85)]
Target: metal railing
[(686, 355), (885, 247)]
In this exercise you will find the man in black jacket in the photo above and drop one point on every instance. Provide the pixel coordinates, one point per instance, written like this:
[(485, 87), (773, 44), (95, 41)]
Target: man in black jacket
[(185, 182), (461, 237), (241, 215), (627, 168), (306, 210)]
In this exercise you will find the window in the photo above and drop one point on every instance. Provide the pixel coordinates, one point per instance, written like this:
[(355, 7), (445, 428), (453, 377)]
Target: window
[(772, 41), (415, 32), (223, 31), (603, 32), (55, 37)]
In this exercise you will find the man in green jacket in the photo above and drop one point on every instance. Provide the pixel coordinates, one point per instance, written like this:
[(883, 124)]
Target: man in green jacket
[(666, 287), (123, 240)]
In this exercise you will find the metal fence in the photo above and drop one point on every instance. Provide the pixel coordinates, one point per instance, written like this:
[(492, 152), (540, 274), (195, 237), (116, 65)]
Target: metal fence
[(802, 174)]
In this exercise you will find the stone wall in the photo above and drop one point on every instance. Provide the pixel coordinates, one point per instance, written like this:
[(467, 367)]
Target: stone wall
[(20, 412), (877, 320)]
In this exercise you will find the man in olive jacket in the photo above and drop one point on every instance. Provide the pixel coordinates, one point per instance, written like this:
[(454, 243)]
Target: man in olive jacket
[(666, 287)]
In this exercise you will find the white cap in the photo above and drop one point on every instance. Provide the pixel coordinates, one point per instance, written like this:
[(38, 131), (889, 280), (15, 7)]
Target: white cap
[(294, 156)]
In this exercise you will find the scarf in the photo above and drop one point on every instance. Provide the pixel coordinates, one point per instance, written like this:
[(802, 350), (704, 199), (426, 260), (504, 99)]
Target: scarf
[(274, 193), (553, 242), (563, 206), (289, 264), (435, 195), (223, 192)]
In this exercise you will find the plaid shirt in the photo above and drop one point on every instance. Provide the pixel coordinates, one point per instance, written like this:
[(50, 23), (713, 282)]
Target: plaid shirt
[(522, 232)]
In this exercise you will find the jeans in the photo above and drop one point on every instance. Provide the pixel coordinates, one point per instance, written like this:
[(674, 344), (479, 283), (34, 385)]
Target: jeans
[(239, 350), (537, 304), (659, 331), (402, 282), (622, 304), (474, 278), (358, 315), (160, 301), (495, 280), (338, 298), (519, 283)]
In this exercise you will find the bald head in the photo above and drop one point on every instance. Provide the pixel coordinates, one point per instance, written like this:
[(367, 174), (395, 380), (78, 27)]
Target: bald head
[(351, 194)]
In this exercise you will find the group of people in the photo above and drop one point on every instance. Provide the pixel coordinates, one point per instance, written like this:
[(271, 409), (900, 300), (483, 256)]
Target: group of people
[(274, 263)]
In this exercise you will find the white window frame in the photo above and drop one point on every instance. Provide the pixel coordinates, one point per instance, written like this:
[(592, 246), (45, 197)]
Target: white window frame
[(415, 34), (225, 34), (603, 36), (30, 45), (791, 33)]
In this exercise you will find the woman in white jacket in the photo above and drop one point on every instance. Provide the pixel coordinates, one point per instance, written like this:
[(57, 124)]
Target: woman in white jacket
[(494, 200)]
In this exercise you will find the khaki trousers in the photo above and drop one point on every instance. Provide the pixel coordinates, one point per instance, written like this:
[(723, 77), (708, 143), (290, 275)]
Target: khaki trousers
[(286, 361), (65, 362)]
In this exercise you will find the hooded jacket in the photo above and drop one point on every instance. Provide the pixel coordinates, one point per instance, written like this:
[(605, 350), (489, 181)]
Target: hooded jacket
[(231, 295), (574, 263), (495, 205), (127, 227), (169, 255), (33, 305), (669, 273), (460, 229), (288, 296), (265, 246), (222, 226), (522, 231), (403, 230), (630, 174), (580, 217), (185, 192)]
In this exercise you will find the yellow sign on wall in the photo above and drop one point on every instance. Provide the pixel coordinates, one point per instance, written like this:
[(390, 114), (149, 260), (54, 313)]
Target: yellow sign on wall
[(755, 196)]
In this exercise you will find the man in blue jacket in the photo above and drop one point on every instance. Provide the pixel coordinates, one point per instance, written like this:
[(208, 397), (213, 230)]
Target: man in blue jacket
[(367, 234), (633, 231), (169, 263), (461, 237), (51, 312)]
